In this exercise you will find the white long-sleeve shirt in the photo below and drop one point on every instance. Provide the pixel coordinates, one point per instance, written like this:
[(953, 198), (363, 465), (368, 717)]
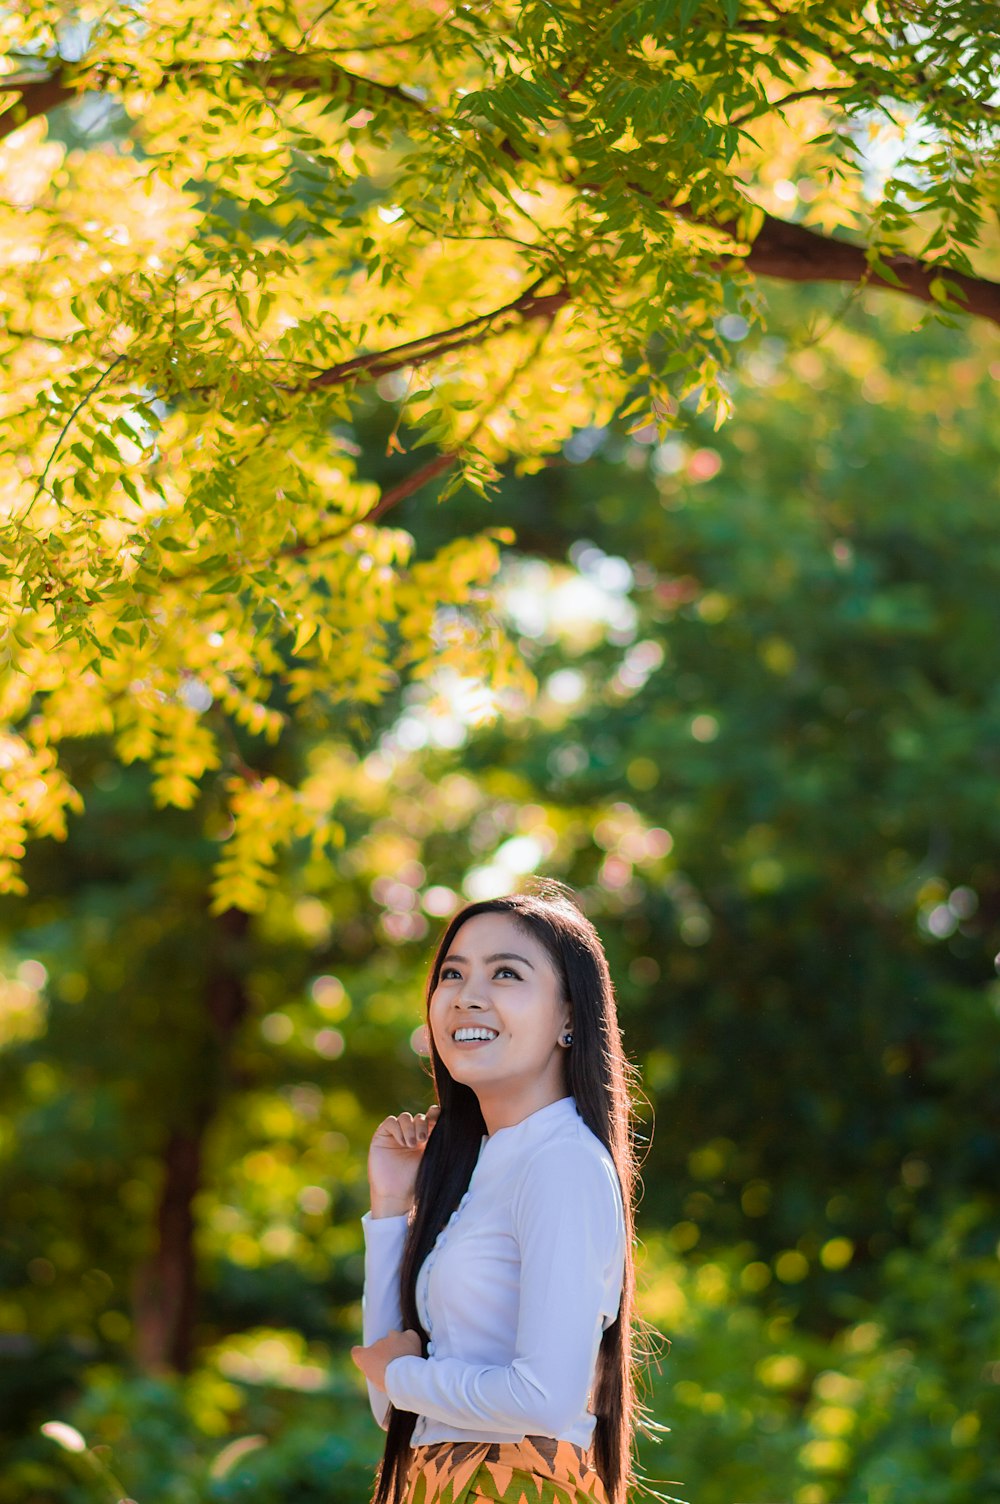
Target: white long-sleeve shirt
[(515, 1293)]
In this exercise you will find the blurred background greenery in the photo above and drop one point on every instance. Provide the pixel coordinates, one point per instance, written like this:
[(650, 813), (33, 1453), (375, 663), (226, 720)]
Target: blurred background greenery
[(766, 753)]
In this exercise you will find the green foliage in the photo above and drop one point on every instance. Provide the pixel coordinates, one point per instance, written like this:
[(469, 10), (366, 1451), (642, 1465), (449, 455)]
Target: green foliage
[(160, 1439), (898, 1405)]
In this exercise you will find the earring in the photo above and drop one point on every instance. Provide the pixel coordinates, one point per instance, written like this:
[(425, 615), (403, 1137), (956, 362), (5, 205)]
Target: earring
[(567, 1039)]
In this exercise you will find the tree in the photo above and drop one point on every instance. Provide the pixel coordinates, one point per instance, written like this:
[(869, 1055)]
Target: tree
[(516, 220), (765, 748)]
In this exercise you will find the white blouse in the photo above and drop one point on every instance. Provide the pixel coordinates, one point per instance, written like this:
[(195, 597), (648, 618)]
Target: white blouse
[(515, 1293)]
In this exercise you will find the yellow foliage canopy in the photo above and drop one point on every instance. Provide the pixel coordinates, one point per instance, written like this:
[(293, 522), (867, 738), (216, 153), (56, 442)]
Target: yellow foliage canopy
[(219, 228)]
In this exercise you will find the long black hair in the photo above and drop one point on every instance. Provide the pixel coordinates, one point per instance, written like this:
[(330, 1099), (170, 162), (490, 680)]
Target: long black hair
[(599, 1077)]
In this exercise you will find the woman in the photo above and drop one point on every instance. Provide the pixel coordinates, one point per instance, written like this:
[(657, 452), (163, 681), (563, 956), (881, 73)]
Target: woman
[(499, 1278)]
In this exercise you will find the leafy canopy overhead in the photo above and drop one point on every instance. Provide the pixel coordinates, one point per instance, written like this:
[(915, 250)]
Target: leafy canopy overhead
[(221, 226)]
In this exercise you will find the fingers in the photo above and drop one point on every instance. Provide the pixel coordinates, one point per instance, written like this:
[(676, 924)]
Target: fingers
[(418, 1128), (413, 1131)]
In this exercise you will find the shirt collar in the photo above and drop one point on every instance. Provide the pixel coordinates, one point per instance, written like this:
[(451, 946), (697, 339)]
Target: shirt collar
[(535, 1126)]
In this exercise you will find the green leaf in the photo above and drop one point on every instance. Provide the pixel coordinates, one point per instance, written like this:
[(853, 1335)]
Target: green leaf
[(883, 270)]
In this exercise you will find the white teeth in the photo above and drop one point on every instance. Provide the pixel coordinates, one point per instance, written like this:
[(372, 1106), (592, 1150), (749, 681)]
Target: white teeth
[(475, 1034)]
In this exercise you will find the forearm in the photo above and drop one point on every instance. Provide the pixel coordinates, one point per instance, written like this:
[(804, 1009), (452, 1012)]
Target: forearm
[(386, 1206), (514, 1397), (385, 1237)]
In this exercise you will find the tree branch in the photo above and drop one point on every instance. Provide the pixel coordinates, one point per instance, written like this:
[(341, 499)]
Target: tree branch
[(766, 106), (530, 305), (415, 482), (293, 72), (35, 96), (794, 253), (441, 462), (781, 249)]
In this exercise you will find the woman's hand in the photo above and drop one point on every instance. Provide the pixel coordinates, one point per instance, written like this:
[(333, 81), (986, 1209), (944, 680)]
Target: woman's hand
[(373, 1360), (397, 1148)]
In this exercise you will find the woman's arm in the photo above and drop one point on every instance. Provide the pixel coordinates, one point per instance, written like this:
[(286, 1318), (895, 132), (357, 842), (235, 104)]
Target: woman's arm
[(394, 1157), (380, 1309), (570, 1229)]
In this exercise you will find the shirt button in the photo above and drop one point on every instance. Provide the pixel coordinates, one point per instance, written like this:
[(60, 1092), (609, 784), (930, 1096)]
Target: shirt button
[(430, 1348)]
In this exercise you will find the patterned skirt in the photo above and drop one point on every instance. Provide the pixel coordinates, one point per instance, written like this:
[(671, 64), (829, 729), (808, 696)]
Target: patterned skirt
[(537, 1470)]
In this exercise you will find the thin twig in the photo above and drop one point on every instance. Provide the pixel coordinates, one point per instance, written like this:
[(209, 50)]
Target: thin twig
[(66, 427), (767, 105), (389, 44)]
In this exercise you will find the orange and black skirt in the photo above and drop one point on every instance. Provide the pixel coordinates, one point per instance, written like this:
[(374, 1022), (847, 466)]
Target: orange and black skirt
[(537, 1470)]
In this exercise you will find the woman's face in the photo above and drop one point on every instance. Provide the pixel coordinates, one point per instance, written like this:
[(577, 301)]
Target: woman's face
[(497, 976)]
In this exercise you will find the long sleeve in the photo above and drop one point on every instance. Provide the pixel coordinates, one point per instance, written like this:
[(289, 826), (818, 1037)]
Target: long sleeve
[(570, 1231), (380, 1310)]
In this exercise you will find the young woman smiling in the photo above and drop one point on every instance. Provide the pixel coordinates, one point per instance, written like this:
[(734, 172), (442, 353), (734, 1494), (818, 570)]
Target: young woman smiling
[(499, 1279)]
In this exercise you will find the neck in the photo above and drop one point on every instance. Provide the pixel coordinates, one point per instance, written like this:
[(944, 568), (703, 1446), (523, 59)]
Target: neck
[(503, 1109)]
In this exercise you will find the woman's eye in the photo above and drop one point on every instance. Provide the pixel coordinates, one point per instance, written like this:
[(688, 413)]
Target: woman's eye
[(451, 973)]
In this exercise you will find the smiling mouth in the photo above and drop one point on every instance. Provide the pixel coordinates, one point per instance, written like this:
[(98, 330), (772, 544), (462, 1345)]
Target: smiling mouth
[(477, 1038)]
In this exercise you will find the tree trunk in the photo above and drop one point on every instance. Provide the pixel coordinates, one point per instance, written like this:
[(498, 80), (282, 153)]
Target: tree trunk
[(165, 1286)]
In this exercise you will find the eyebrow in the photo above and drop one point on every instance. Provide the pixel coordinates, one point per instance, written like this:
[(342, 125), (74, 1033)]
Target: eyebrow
[(502, 955)]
